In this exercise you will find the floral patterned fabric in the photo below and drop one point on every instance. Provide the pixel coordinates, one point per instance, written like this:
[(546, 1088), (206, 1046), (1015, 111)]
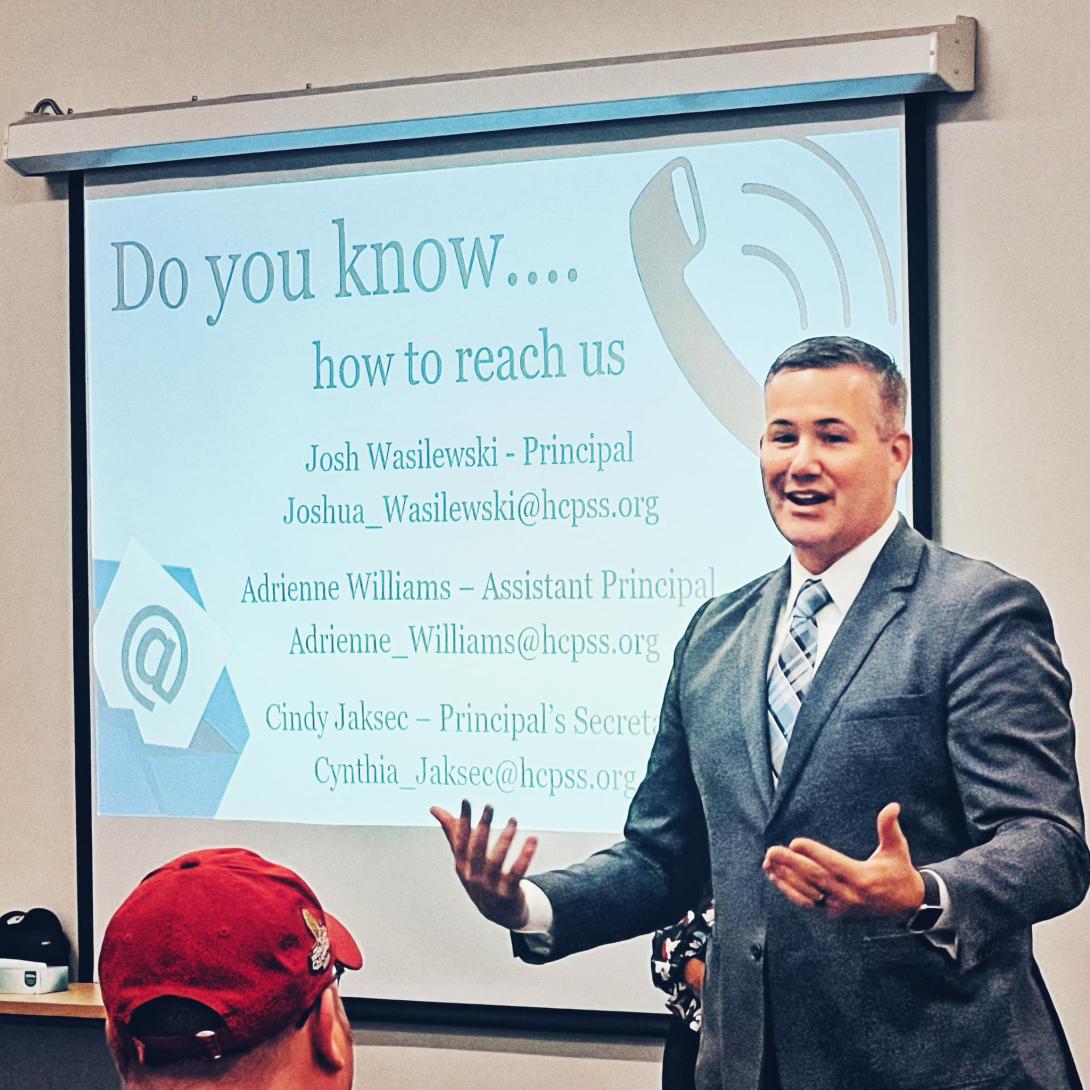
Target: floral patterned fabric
[(671, 948)]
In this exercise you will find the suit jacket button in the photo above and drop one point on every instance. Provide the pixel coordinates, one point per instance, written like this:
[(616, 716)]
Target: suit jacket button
[(756, 952)]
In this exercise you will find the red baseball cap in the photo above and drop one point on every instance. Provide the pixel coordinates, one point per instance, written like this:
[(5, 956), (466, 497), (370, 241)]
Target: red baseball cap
[(230, 930)]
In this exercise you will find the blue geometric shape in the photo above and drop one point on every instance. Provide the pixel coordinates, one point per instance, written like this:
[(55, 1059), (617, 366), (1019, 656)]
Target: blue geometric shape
[(104, 571), (224, 714), (125, 782), (102, 575), (190, 784), (184, 578), (136, 778)]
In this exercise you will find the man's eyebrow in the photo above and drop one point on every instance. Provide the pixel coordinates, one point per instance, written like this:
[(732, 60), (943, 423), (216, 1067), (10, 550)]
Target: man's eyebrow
[(824, 422)]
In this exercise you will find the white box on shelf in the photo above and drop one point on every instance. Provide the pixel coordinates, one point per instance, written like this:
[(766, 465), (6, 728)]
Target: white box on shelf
[(31, 977)]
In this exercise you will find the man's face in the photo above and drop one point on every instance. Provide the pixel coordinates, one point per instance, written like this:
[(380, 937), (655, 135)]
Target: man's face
[(829, 476)]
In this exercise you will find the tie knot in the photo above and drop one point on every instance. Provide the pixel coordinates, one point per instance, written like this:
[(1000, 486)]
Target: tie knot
[(813, 597)]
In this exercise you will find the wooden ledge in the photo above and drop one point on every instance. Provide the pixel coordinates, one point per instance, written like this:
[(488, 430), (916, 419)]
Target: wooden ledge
[(80, 1001)]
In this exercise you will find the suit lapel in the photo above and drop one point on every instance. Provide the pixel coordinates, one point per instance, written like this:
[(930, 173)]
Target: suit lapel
[(755, 648), (881, 598)]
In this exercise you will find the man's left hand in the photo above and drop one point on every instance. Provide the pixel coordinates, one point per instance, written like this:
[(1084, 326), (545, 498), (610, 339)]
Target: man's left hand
[(693, 973), (884, 886)]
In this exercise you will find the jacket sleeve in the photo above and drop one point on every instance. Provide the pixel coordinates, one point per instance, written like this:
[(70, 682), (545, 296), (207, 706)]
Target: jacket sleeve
[(656, 872), (1011, 742)]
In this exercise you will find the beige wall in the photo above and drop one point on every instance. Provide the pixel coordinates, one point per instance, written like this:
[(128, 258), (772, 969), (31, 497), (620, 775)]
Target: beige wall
[(1009, 264)]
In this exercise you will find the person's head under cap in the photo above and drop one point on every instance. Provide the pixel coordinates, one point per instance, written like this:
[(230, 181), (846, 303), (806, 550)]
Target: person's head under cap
[(220, 970)]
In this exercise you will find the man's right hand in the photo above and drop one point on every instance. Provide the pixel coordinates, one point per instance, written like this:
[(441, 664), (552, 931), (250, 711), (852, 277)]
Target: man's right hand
[(494, 890)]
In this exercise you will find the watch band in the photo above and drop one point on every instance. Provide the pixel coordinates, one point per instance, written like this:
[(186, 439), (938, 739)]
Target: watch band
[(927, 915)]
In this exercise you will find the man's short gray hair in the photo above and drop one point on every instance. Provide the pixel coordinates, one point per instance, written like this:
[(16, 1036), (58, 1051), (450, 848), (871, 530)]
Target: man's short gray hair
[(826, 353)]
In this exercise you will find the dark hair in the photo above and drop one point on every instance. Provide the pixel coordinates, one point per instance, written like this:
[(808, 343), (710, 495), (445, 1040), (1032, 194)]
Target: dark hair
[(825, 353), (172, 1016), (169, 1017)]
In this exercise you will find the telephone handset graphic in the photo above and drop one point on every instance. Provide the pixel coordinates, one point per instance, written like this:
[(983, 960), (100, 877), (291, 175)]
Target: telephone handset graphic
[(662, 249)]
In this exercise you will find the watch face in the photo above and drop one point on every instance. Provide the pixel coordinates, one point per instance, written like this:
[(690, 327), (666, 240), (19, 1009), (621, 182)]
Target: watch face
[(925, 918)]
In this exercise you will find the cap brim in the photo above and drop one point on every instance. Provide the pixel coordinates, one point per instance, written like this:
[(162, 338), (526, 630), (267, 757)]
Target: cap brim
[(344, 948)]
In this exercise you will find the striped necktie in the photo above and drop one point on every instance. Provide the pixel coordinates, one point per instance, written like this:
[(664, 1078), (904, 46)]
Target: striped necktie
[(793, 670)]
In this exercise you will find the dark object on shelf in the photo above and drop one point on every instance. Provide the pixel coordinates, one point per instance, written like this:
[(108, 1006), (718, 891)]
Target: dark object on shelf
[(36, 935)]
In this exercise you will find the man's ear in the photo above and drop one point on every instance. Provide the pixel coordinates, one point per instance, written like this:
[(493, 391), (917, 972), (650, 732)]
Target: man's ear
[(901, 451), (331, 1036)]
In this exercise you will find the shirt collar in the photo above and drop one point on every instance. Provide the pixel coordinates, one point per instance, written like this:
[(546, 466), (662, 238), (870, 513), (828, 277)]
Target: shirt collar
[(845, 577)]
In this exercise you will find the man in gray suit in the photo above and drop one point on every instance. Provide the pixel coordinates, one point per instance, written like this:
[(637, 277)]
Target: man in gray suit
[(876, 679)]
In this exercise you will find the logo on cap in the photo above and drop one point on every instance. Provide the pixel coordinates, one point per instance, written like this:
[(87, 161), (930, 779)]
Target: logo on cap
[(319, 955)]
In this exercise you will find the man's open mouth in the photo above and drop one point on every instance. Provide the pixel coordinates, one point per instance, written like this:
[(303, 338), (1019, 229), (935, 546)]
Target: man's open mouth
[(807, 499)]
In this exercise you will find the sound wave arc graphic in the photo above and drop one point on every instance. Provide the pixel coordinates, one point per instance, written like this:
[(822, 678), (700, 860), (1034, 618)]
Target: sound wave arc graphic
[(838, 167), (804, 210), (774, 258)]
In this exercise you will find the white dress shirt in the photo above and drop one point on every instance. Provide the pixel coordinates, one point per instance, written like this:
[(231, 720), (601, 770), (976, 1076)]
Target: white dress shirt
[(843, 580)]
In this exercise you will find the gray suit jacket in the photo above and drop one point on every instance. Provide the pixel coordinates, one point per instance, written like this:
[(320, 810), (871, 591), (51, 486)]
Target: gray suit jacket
[(943, 690)]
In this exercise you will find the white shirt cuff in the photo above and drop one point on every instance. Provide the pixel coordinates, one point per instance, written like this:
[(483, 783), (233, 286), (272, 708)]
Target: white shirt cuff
[(539, 919), (942, 934)]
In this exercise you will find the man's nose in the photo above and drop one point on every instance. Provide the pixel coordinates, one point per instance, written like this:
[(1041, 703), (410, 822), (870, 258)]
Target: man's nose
[(805, 462)]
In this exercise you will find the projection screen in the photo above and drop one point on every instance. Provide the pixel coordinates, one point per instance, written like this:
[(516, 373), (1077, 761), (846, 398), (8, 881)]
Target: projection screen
[(406, 474)]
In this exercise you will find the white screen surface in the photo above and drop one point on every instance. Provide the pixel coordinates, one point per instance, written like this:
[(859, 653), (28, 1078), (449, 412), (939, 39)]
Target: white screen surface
[(405, 479)]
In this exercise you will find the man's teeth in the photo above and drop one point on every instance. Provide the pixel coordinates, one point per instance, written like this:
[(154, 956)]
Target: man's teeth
[(807, 498)]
